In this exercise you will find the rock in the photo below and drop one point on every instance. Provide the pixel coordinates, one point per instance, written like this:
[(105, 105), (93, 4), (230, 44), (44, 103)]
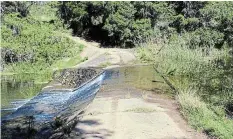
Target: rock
[(75, 77)]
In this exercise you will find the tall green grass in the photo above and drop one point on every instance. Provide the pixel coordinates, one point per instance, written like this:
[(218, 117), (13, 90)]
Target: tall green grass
[(202, 118), (202, 76)]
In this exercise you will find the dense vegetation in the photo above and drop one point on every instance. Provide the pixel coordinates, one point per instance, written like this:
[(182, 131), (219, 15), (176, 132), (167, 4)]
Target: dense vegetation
[(33, 40), (197, 60), (129, 23), (113, 23)]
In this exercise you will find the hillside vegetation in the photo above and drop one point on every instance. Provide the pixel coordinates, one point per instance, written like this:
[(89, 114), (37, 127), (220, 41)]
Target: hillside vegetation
[(126, 24), (33, 40)]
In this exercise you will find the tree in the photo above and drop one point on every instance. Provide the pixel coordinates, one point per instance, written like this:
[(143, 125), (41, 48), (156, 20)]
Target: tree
[(20, 7)]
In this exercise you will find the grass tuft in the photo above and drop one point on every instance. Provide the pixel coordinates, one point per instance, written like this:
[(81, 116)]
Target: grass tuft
[(203, 78), (202, 118), (141, 110)]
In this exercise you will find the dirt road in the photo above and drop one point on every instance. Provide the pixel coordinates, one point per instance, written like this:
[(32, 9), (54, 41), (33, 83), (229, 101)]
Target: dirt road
[(104, 56), (128, 113)]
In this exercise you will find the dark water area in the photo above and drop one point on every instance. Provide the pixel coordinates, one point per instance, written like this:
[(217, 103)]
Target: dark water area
[(16, 91)]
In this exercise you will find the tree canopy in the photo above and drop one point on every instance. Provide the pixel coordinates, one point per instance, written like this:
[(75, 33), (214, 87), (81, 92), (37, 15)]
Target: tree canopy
[(126, 24)]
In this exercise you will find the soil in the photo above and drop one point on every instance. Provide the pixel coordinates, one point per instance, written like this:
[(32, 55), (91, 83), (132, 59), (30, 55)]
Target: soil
[(103, 57)]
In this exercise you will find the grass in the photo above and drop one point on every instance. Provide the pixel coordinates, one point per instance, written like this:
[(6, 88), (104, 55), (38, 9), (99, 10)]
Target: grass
[(204, 86), (42, 73), (6, 73), (67, 63), (44, 43), (141, 110), (105, 64), (202, 118)]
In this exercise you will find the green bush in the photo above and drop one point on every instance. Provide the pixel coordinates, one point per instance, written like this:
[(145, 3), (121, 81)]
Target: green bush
[(124, 24), (35, 43)]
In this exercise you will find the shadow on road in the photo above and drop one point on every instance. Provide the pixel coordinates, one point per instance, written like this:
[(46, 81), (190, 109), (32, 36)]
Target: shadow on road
[(90, 132)]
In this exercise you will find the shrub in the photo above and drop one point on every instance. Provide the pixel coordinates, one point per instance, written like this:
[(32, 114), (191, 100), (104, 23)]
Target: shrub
[(32, 44), (124, 24)]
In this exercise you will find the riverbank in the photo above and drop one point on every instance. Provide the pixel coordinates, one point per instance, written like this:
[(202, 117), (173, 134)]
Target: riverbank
[(142, 103), (34, 44), (190, 50), (200, 83), (147, 108), (95, 56)]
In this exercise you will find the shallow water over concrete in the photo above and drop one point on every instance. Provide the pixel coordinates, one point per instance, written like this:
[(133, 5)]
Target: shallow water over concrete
[(131, 104), (16, 93), (49, 104), (137, 77), (128, 106)]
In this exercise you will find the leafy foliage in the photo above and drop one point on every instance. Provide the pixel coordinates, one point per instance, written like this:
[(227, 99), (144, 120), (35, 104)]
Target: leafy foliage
[(36, 42), (20, 7), (128, 23), (199, 17), (115, 23), (203, 77)]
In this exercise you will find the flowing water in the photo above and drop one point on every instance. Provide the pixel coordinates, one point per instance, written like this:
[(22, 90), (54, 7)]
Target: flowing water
[(17, 94), (25, 98)]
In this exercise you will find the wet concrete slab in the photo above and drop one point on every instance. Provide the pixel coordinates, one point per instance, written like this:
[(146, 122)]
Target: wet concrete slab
[(129, 118), (125, 108)]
